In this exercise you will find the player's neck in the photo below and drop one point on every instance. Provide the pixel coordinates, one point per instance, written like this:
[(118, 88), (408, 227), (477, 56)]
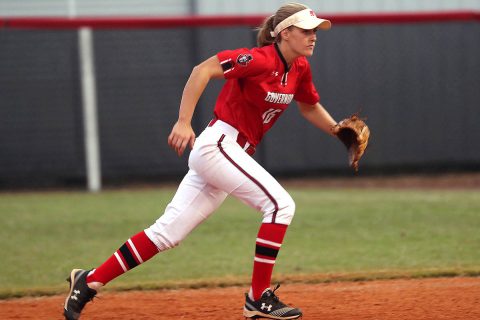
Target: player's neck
[(288, 54)]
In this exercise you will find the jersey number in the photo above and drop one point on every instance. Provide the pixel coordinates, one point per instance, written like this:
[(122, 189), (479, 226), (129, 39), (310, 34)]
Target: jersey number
[(270, 114)]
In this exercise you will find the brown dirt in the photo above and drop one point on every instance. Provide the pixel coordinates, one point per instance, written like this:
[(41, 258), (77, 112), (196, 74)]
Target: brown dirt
[(417, 299)]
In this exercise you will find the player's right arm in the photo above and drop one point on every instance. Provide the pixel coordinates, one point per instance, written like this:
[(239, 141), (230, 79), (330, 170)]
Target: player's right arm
[(182, 133)]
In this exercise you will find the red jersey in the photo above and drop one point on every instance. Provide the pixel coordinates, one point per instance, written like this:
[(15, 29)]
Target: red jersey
[(259, 87)]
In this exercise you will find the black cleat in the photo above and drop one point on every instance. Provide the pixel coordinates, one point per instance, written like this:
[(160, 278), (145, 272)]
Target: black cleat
[(269, 306), (79, 294)]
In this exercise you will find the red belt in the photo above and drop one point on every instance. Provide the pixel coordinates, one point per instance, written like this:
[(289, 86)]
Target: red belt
[(241, 140)]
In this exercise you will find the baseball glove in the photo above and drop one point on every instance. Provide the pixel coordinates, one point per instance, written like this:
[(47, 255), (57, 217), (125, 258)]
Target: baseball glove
[(354, 134)]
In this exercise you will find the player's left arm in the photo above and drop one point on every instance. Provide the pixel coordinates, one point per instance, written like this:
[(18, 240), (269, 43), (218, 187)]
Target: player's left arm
[(318, 116)]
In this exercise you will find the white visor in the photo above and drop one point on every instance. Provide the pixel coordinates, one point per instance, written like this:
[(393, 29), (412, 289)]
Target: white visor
[(305, 19)]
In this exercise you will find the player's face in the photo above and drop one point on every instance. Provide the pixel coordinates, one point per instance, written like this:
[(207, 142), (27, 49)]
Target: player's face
[(302, 41)]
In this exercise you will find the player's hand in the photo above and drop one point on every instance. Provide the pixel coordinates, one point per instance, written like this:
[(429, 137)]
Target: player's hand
[(182, 135)]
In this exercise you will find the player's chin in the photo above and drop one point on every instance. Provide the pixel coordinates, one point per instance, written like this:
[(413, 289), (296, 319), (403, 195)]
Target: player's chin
[(308, 52)]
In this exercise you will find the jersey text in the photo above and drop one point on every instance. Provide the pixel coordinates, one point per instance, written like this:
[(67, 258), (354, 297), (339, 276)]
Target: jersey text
[(282, 98)]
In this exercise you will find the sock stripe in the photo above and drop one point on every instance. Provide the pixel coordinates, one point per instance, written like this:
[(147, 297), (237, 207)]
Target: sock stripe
[(127, 255), (139, 258), (120, 262), (257, 259), (270, 243), (136, 250), (265, 251)]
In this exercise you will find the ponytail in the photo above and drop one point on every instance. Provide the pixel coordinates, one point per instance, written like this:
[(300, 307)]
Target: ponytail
[(264, 38)]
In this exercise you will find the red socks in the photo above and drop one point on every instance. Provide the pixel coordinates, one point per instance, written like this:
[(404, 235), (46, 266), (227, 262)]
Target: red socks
[(269, 240), (135, 251), (140, 248)]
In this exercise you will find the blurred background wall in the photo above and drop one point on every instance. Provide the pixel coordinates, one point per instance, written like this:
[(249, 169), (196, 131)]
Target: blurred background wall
[(418, 83)]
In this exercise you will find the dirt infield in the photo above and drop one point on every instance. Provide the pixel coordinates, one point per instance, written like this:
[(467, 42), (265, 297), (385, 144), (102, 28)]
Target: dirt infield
[(416, 299)]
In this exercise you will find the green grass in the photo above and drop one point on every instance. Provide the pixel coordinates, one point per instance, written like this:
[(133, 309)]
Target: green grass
[(353, 231)]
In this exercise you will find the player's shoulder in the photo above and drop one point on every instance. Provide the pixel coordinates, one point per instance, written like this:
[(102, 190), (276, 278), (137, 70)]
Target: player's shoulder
[(260, 57), (245, 55), (302, 63), (302, 66), (264, 53), (246, 62)]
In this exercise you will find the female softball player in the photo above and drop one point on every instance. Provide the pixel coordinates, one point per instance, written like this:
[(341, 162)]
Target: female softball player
[(261, 83)]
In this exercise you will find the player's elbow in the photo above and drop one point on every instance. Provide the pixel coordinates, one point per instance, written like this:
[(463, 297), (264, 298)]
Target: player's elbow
[(209, 68)]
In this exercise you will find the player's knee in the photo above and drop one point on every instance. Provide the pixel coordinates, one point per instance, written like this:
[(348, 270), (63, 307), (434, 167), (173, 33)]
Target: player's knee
[(285, 210), (161, 238), (288, 211)]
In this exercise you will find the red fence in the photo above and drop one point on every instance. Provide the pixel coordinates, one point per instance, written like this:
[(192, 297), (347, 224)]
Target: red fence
[(204, 21)]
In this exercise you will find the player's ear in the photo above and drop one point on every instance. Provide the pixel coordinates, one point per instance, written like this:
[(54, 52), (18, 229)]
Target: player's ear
[(285, 34)]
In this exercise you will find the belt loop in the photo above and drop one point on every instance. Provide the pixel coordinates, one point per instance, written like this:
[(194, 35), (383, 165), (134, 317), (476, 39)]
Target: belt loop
[(250, 150), (212, 122), (241, 140)]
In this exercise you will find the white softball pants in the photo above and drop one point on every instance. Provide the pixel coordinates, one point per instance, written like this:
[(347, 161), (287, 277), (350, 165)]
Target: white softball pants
[(219, 167)]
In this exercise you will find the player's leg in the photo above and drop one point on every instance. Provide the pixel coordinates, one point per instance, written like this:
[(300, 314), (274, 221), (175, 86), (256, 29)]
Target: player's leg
[(240, 175), (193, 202)]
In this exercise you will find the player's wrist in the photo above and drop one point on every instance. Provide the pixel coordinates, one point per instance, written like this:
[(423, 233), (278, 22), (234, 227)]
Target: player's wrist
[(334, 129), (185, 121)]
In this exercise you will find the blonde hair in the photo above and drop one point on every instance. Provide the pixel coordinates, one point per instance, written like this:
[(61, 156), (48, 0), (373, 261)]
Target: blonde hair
[(263, 37)]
